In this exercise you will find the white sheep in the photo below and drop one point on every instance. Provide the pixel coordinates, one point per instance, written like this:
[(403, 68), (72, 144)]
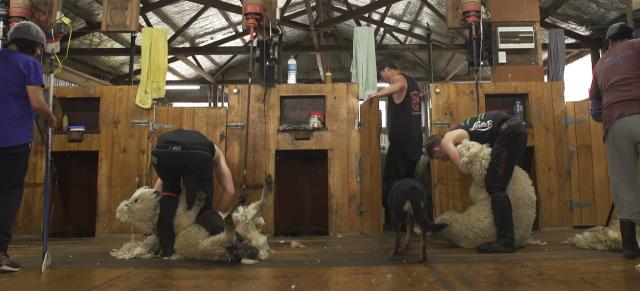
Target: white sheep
[(475, 225), (601, 238), (192, 241)]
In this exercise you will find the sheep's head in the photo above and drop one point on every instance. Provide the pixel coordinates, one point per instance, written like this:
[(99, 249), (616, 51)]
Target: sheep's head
[(476, 158), (141, 210)]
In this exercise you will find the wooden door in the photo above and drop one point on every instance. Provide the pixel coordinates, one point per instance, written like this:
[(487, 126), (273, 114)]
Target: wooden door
[(591, 194), (451, 103), (209, 121), (370, 169), (302, 203)]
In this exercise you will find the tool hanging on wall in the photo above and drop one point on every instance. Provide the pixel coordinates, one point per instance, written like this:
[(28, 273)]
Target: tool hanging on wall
[(258, 17)]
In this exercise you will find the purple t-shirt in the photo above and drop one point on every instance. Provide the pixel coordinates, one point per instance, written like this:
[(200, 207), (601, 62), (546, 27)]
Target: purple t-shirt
[(17, 70)]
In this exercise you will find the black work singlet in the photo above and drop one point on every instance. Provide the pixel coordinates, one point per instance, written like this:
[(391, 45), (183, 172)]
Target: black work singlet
[(405, 120), (485, 127)]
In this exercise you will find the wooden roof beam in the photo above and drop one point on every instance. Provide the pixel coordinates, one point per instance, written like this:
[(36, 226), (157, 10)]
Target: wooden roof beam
[(358, 12), (546, 12)]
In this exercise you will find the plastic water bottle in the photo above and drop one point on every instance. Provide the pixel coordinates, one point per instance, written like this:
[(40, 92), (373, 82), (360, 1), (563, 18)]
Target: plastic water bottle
[(292, 68), (518, 110)]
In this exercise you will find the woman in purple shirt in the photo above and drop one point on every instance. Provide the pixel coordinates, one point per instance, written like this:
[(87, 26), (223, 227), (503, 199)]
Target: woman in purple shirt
[(21, 97)]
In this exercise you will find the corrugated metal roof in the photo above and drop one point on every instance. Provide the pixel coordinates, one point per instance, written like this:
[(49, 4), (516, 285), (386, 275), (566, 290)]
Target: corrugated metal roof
[(586, 17)]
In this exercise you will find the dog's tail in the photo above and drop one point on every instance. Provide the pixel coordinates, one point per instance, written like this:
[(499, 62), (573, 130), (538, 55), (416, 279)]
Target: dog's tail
[(420, 215)]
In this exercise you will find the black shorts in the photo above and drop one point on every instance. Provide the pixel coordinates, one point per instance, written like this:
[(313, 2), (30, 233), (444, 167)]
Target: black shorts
[(182, 159)]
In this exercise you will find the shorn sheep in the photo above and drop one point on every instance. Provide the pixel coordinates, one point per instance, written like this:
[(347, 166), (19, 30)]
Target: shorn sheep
[(192, 240), (475, 225)]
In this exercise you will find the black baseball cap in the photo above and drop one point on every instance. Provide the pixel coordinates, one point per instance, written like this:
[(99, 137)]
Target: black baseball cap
[(382, 64), (620, 30)]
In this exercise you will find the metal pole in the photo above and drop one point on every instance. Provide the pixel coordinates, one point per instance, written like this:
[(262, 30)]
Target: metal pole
[(46, 258), (248, 119), (474, 37), (132, 56), (430, 53)]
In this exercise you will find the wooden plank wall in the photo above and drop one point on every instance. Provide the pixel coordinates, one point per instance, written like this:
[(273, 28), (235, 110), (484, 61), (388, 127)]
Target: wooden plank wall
[(371, 170), (340, 139), (209, 121), (124, 150), (590, 186), (451, 105), (457, 101)]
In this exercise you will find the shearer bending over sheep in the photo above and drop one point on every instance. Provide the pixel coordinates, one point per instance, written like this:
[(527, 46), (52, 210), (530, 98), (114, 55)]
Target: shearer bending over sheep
[(508, 138), (189, 158)]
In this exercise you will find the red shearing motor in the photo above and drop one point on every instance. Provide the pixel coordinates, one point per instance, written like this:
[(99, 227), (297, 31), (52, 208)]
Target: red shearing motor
[(253, 11), (471, 9)]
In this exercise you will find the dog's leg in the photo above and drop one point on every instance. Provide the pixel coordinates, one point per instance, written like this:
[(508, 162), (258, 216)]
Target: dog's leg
[(396, 247), (423, 244), (407, 238)]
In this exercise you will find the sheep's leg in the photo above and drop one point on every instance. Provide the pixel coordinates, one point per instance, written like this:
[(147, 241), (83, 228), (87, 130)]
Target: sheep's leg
[(229, 228), (409, 231)]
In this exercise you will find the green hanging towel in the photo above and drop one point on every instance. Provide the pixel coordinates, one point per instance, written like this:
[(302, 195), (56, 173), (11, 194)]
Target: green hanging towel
[(363, 66), (153, 65)]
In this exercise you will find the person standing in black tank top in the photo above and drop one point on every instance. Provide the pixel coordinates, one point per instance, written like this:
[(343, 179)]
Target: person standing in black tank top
[(404, 121), (508, 140)]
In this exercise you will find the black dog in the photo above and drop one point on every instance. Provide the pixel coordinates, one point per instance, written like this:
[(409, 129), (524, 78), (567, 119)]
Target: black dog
[(405, 202)]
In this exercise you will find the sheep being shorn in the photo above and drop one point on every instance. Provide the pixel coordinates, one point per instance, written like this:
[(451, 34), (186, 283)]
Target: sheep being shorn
[(192, 240), (475, 225)]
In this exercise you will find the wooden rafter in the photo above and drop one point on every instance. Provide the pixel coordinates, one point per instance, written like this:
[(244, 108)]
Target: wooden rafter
[(386, 26), (188, 24), (220, 5), (358, 12), (156, 5), (443, 18), (197, 69), (316, 44), (231, 24), (546, 12), (382, 18), (350, 8)]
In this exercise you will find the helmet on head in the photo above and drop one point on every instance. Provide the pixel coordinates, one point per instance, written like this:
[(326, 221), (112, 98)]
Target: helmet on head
[(29, 31)]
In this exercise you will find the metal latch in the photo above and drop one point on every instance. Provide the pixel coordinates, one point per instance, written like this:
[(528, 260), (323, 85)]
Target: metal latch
[(236, 125), (576, 204), (571, 155), (152, 125), (358, 160), (572, 120), (441, 123), (359, 208)]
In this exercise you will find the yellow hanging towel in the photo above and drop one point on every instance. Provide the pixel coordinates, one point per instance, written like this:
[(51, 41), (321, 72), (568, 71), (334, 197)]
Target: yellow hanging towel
[(153, 64)]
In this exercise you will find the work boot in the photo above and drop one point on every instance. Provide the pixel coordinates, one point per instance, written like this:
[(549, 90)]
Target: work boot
[(503, 218), (630, 249), (8, 265)]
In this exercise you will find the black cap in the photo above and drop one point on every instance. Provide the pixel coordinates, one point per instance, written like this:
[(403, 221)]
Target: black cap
[(382, 64), (620, 30)]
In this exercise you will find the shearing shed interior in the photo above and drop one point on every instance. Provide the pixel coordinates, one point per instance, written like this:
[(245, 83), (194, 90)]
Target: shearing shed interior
[(319, 144)]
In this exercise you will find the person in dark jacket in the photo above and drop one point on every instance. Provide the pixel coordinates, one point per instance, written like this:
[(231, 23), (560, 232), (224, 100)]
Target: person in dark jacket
[(508, 140), (615, 101), (21, 98), (188, 158)]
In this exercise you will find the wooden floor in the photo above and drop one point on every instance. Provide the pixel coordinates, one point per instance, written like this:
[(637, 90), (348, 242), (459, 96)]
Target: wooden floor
[(328, 263)]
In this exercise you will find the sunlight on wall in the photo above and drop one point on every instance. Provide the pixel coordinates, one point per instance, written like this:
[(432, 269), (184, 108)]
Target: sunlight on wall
[(577, 79)]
